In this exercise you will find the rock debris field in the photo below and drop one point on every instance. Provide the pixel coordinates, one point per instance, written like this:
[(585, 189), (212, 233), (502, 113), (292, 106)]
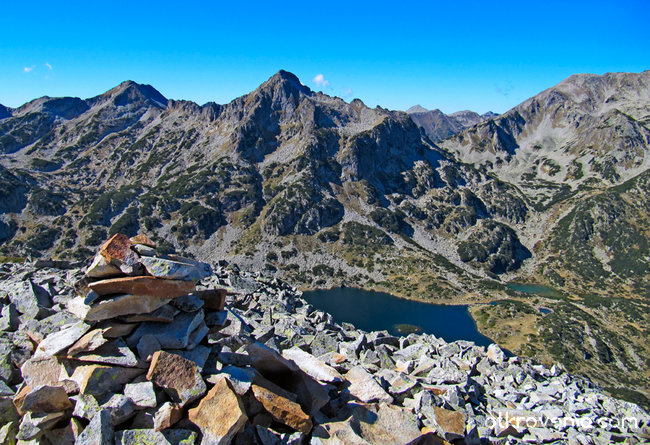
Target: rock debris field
[(145, 348)]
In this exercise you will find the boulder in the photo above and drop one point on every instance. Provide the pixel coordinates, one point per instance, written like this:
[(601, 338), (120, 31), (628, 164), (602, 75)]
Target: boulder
[(220, 414), (364, 387), (178, 376)]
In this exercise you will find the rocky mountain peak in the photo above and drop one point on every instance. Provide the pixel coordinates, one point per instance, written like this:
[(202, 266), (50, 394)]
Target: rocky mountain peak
[(131, 93), (416, 109)]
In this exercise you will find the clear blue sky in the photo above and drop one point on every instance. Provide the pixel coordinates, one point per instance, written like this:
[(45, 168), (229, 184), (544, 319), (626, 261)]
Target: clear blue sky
[(477, 55)]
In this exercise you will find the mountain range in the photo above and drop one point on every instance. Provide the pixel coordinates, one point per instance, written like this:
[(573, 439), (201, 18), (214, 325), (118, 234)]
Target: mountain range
[(438, 125), (323, 192)]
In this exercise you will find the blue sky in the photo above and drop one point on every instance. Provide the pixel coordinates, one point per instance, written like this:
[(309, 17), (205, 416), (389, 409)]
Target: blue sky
[(475, 55)]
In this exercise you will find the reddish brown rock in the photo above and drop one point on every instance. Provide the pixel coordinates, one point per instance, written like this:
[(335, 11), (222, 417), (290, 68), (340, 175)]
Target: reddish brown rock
[(117, 249), (451, 424), (149, 286), (283, 410), (20, 398), (142, 239), (114, 329), (213, 299), (220, 414), (179, 377)]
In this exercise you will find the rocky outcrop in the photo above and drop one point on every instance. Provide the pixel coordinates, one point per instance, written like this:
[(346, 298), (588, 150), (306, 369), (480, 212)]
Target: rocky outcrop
[(260, 370), (439, 126)]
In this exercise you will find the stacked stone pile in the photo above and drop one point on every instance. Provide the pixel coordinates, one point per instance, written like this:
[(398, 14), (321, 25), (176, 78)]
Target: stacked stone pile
[(143, 349)]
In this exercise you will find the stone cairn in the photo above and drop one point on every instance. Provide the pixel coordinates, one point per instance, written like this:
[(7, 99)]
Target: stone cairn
[(142, 349)]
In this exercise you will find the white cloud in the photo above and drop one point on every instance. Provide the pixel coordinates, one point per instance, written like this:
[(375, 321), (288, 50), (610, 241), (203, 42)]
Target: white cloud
[(320, 81), (27, 69), (348, 92), (48, 66)]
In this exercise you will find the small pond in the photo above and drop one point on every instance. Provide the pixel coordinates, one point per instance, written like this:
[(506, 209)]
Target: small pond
[(377, 311)]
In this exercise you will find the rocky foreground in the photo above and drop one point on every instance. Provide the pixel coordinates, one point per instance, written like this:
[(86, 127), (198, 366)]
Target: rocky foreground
[(142, 348)]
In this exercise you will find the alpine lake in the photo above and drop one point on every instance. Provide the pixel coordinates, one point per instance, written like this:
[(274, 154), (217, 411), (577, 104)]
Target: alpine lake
[(377, 311)]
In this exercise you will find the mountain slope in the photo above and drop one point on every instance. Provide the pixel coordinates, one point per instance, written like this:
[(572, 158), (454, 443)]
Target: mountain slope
[(322, 192)]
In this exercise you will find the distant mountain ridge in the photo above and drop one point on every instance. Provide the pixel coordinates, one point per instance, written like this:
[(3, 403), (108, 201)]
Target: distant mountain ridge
[(438, 125), (322, 192)]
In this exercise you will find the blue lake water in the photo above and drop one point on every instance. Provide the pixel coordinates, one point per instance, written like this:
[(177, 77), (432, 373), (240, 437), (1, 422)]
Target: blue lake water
[(377, 311)]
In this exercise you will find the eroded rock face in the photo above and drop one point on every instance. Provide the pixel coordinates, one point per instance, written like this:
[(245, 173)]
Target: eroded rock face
[(252, 374)]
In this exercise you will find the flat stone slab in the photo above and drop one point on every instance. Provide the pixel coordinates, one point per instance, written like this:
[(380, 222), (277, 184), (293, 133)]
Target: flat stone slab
[(312, 366), (178, 376), (220, 414), (364, 387), (48, 399), (150, 286), (184, 269), (115, 352), (116, 306), (282, 409), (175, 335), (142, 394), (58, 341)]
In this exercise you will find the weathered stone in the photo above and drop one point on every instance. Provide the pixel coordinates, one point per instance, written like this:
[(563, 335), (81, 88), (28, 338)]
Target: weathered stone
[(142, 394), (66, 435), (144, 436), (197, 335), (58, 341), (186, 269), (114, 329), (29, 299), (220, 414), (121, 408), (450, 424), (85, 406), (114, 352), (495, 353), (167, 415), (19, 398), (213, 299), (175, 335), (41, 371), (34, 424), (364, 387), (101, 268), (188, 303), (179, 377), (117, 250), (312, 366), (150, 286), (99, 431), (115, 306), (143, 240), (47, 399), (216, 319), (99, 380), (147, 346), (283, 410), (88, 342), (385, 424), (164, 314), (198, 355), (9, 318)]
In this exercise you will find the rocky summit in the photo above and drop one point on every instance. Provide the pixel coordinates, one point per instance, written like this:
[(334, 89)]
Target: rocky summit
[(209, 354), (321, 192)]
